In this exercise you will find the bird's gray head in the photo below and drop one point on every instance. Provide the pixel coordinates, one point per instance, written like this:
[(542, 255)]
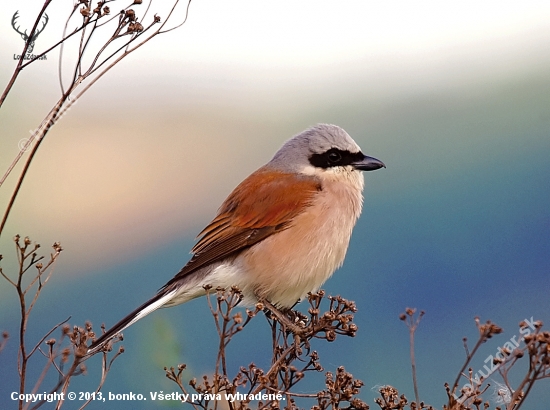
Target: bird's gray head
[(321, 149)]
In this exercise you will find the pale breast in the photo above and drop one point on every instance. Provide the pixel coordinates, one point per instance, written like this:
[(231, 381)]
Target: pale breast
[(286, 266)]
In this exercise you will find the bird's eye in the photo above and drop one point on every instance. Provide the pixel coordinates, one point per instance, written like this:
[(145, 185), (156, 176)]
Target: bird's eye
[(334, 156)]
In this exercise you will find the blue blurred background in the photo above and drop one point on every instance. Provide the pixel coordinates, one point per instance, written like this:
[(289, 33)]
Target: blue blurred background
[(453, 97)]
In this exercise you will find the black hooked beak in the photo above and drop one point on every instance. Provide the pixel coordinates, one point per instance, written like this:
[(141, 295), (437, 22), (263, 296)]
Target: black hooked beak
[(368, 164)]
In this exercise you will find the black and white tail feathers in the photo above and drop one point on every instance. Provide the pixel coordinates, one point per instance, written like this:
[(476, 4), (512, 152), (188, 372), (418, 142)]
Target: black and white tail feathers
[(151, 305)]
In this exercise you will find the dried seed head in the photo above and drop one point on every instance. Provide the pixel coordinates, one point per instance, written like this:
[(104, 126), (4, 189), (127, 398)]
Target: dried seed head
[(313, 311), (358, 383), (359, 404), (65, 355), (106, 10), (130, 14), (85, 11), (329, 316), (518, 353)]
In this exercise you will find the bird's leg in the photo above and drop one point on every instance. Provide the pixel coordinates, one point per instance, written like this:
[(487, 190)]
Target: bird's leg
[(268, 313), (282, 318)]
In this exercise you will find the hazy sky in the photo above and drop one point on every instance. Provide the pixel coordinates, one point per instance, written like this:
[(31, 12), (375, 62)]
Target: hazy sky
[(240, 78)]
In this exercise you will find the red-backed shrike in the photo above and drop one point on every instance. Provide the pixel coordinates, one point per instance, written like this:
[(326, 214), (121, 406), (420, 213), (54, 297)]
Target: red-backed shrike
[(281, 233)]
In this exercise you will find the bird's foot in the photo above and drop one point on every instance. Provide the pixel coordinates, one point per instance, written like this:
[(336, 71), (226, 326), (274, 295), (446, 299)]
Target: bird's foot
[(282, 317)]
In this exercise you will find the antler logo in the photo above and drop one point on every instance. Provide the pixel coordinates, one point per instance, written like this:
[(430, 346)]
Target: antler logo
[(24, 35)]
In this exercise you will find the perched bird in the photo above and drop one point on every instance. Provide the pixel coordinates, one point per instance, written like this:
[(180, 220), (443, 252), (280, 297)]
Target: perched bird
[(281, 233)]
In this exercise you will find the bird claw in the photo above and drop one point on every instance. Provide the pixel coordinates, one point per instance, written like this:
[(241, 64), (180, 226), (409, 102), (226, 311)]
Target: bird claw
[(273, 313)]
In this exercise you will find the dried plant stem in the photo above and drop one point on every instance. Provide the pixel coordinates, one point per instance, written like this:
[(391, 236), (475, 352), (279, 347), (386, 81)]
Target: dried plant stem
[(51, 361), (20, 64), (469, 356), (412, 324), (24, 253), (22, 357), (413, 365), (39, 137), (105, 367), (291, 357), (80, 75)]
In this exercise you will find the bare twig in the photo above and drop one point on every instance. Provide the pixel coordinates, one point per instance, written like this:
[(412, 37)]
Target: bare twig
[(135, 32), (46, 335), (412, 323), (292, 355), (19, 67)]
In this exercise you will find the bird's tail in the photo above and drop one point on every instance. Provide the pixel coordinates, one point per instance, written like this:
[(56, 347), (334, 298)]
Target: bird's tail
[(150, 306)]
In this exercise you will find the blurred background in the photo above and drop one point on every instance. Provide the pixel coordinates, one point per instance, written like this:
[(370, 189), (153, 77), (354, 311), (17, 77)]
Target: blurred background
[(454, 97)]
